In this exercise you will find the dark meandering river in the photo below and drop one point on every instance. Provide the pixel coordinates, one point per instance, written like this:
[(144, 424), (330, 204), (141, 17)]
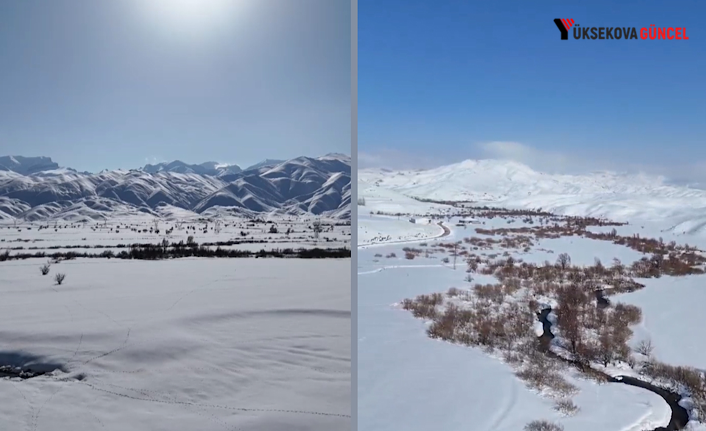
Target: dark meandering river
[(680, 416)]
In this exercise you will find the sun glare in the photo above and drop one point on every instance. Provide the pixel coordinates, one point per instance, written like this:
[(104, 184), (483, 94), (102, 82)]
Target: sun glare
[(190, 17)]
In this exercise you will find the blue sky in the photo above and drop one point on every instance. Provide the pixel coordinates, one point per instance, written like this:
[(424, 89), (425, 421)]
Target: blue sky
[(446, 80), (119, 83)]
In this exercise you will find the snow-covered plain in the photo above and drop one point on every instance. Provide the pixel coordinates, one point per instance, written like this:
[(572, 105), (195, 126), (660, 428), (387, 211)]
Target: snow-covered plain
[(27, 237), (185, 344), (409, 381)]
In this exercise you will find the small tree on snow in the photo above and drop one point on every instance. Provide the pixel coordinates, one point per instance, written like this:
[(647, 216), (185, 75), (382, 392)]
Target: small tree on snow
[(59, 278), (645, 348), (44, 269), (317, 229)]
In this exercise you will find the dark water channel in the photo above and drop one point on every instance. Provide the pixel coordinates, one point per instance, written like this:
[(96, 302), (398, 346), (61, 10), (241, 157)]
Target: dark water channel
[(680, 416)]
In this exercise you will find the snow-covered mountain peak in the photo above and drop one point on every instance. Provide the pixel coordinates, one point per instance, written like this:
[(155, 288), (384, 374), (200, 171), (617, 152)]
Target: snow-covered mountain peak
[(297, 186), (512, 184)]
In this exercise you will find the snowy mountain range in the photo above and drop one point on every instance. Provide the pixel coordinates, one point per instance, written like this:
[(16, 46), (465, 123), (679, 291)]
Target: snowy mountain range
[(36, 188), (511, 184)]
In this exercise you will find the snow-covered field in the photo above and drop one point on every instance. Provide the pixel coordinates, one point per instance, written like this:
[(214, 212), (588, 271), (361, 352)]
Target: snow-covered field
[(291, 232), (386, 229), (180, 344), (410, 381)]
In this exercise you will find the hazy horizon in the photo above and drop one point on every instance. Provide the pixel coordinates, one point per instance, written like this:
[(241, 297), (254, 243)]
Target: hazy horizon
[(188, 162)]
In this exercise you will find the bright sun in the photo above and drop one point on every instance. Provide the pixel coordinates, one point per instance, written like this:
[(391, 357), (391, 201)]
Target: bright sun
[(190, 17)]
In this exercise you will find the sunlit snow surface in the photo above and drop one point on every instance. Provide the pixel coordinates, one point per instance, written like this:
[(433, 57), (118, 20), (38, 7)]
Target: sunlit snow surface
[(409, 381), (184, 344)]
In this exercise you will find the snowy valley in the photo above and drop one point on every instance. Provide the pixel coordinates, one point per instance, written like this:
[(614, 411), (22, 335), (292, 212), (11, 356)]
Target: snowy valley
[(174, 297), (496, 297)]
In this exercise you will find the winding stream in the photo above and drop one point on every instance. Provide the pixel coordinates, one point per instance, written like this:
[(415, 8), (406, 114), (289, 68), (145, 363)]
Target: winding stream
[(679, 418)]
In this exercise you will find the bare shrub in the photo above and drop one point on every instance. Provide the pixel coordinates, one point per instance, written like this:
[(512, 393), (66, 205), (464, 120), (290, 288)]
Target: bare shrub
[(566, 406), (628, 314), (512, 358), (424, 306), (543, 426), (453, 291), (44, 269), (489, 292), (445, 324), (59, 278)]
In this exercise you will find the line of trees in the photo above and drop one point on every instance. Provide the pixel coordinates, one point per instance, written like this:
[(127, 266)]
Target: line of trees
[(158, 252)]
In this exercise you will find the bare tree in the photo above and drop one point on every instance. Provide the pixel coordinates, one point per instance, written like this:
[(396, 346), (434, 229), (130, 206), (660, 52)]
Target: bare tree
[(455, 252), (44, 269), (317, 229), (645, 347), (59, 278), (571, 300), (564, 260)]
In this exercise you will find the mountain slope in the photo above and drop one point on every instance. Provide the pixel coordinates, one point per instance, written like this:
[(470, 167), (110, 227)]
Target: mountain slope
[(264, 164), (510, 184), (26, 165), (318, 186), (207, 168)]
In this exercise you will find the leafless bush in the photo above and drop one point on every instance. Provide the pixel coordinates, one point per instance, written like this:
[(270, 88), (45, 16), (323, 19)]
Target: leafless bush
[(44, 269), (424, 306), (59, 278), (566, 406), (453, 292), (627, 313), (445, 324), (489, 292), (543, 426)]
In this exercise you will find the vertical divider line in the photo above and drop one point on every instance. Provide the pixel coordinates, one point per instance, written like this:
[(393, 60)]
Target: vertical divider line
[(354, 215)]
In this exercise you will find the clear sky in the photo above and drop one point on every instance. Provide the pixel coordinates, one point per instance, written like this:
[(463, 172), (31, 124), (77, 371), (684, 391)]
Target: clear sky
[(443, 81), (118, 83)]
